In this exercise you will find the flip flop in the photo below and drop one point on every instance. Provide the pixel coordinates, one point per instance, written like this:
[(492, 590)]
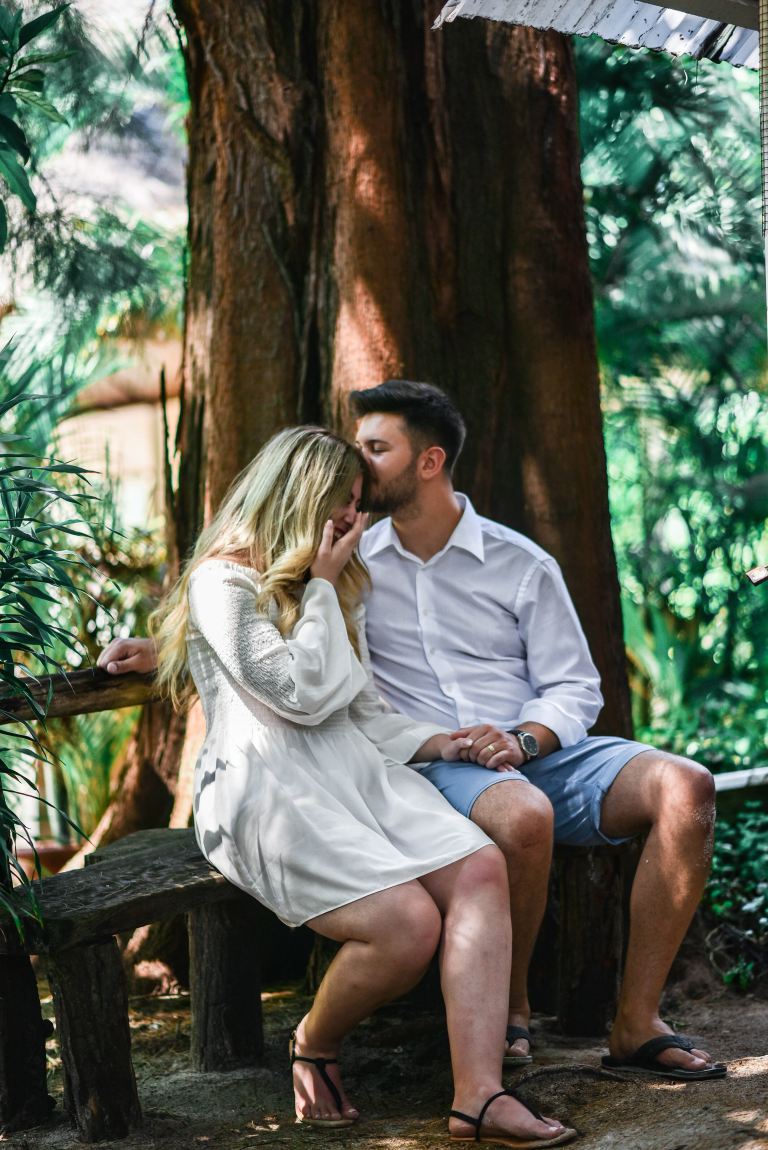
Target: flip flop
[(510, 1140), (513, 1033), (645, 1061), (320, 1064)]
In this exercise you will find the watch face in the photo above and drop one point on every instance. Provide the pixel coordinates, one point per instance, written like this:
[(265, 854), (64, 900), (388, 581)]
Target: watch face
[(529, 744)]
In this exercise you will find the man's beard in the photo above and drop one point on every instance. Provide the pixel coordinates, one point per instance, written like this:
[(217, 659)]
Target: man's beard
[(395, 496)]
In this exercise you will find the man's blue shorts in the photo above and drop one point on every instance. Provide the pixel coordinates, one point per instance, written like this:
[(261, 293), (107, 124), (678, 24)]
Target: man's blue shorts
[(574, 780)]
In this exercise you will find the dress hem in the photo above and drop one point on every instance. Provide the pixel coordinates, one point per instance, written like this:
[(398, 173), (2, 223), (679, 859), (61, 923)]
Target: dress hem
[(419, 873)]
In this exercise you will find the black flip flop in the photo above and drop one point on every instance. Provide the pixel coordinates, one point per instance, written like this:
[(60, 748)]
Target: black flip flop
[(645, 1061), (513, 1033)]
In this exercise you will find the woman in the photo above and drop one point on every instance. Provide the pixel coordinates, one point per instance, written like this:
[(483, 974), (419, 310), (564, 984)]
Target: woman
[(302, 797)]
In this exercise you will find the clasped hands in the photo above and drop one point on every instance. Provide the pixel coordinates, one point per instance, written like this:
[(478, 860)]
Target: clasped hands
[(485, 745)]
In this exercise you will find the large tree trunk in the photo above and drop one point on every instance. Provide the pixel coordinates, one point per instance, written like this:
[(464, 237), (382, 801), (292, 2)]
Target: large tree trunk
[(371, 198)]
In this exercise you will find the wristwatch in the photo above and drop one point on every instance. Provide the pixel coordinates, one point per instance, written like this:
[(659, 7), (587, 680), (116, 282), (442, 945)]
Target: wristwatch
[(529, 744)]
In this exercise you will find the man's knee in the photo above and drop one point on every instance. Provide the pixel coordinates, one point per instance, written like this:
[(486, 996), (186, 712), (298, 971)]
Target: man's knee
[(517, 816), (686, 790)]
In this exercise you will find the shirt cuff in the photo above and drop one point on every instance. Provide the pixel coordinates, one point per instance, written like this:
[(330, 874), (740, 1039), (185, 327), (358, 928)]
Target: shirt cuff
[(403, 745), (568, 729)]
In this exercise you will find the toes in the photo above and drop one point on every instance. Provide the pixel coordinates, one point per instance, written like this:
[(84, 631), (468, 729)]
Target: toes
[(553, 1122)]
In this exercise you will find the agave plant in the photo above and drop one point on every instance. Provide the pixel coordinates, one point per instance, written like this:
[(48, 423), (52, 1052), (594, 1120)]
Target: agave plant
[(35, 572)]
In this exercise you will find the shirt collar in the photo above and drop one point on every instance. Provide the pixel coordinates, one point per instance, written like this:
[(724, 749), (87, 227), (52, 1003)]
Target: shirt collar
[(467, 534)]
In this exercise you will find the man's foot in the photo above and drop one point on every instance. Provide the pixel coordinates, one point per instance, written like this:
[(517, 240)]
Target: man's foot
[(505, 1118), (520, 1048), (320, 1098), (627, 1037)]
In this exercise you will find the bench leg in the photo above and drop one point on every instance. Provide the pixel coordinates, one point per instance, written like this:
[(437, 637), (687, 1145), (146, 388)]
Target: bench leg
[(225, 986), (24, 1099), (91, 1003)]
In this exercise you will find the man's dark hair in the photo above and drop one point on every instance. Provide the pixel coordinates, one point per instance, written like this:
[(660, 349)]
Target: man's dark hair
[(429, 415)]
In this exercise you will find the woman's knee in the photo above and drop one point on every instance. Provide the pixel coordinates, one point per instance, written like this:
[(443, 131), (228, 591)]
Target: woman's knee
[(413, 926), (486, 870)]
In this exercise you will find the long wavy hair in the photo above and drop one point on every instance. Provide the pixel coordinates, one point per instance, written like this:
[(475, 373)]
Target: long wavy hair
[(272, 516)]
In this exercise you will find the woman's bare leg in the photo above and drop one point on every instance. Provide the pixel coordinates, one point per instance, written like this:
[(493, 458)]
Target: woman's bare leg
[(475, 959), (389, 939)]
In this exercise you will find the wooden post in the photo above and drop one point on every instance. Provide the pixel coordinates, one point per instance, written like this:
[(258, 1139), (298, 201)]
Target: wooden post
[(91, 1003), (24, 1099), (225, 986), (591, 885)]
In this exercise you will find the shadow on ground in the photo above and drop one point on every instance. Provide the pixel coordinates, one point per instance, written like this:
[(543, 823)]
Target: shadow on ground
[(397, 1071)]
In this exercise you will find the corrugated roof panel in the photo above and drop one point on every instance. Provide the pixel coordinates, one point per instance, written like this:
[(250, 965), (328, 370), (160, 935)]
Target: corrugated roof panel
[(712, 33)]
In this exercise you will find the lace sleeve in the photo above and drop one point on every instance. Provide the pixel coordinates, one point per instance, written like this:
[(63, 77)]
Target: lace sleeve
[(304, 678), (396, 736)]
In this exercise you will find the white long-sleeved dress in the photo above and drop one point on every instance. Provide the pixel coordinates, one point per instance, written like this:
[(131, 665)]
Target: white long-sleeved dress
[(302, 797)]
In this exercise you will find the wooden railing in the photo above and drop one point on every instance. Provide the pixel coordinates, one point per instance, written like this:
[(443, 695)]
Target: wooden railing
[(78, 693)]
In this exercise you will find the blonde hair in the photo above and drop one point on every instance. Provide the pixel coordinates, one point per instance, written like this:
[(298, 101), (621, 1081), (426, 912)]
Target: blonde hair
[(274, 514)]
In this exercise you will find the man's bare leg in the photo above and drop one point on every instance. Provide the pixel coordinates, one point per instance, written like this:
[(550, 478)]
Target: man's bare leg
[(518, 818), (673, 800)]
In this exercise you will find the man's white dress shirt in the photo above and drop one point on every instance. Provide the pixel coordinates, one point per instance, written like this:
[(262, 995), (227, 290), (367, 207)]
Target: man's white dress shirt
[(483, 632)]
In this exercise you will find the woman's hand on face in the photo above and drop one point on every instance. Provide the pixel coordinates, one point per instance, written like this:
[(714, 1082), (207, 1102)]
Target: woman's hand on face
[(334, 554)]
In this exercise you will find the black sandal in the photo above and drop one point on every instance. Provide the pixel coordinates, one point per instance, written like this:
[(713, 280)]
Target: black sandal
[(508, 1139), (320, 1064)]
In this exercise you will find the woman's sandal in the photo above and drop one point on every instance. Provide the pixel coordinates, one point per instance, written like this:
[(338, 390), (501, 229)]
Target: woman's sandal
[(509, 1139), (320, 1064)]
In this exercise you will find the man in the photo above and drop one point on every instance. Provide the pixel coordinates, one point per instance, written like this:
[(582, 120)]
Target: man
[(469, 625)]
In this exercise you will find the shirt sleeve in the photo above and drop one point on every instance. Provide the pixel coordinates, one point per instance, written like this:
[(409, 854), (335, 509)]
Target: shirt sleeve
[(305, 677), (560, 668), (397, 737)]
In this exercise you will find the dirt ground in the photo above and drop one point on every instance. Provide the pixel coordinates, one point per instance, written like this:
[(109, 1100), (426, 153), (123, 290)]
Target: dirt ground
[(396, 1068)]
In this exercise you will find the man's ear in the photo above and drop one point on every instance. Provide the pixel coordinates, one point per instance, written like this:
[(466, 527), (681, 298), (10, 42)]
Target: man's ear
[(432, 462)]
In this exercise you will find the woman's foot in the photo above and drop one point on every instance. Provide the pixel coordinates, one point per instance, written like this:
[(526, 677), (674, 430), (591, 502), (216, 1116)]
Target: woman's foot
[(505, 1117), (319, 1096)]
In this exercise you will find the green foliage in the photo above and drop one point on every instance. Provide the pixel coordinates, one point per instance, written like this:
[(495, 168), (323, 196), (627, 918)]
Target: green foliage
[(22, 82), (736, 900), (35, 573), (88, 749), (672, 183), (671, 172)]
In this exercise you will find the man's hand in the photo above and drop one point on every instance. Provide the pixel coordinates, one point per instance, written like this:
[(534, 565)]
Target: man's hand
[(123, 655), (497, 750)]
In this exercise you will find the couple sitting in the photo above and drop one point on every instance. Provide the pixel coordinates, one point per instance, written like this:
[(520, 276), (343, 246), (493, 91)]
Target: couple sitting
[(302, 795)]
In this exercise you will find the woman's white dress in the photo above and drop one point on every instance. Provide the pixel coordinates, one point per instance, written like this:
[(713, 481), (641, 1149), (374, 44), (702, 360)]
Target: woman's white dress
[(301, 795)]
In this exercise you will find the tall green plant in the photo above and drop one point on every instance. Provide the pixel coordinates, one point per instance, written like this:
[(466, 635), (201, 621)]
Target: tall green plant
[(34, 571), (22, 82)]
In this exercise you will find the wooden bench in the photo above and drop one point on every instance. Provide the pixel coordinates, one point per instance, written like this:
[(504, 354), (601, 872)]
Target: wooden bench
[(153, 875), (144, 878)]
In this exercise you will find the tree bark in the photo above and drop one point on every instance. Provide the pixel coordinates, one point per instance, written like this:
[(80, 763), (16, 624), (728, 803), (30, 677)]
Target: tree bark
[(371, 198)]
